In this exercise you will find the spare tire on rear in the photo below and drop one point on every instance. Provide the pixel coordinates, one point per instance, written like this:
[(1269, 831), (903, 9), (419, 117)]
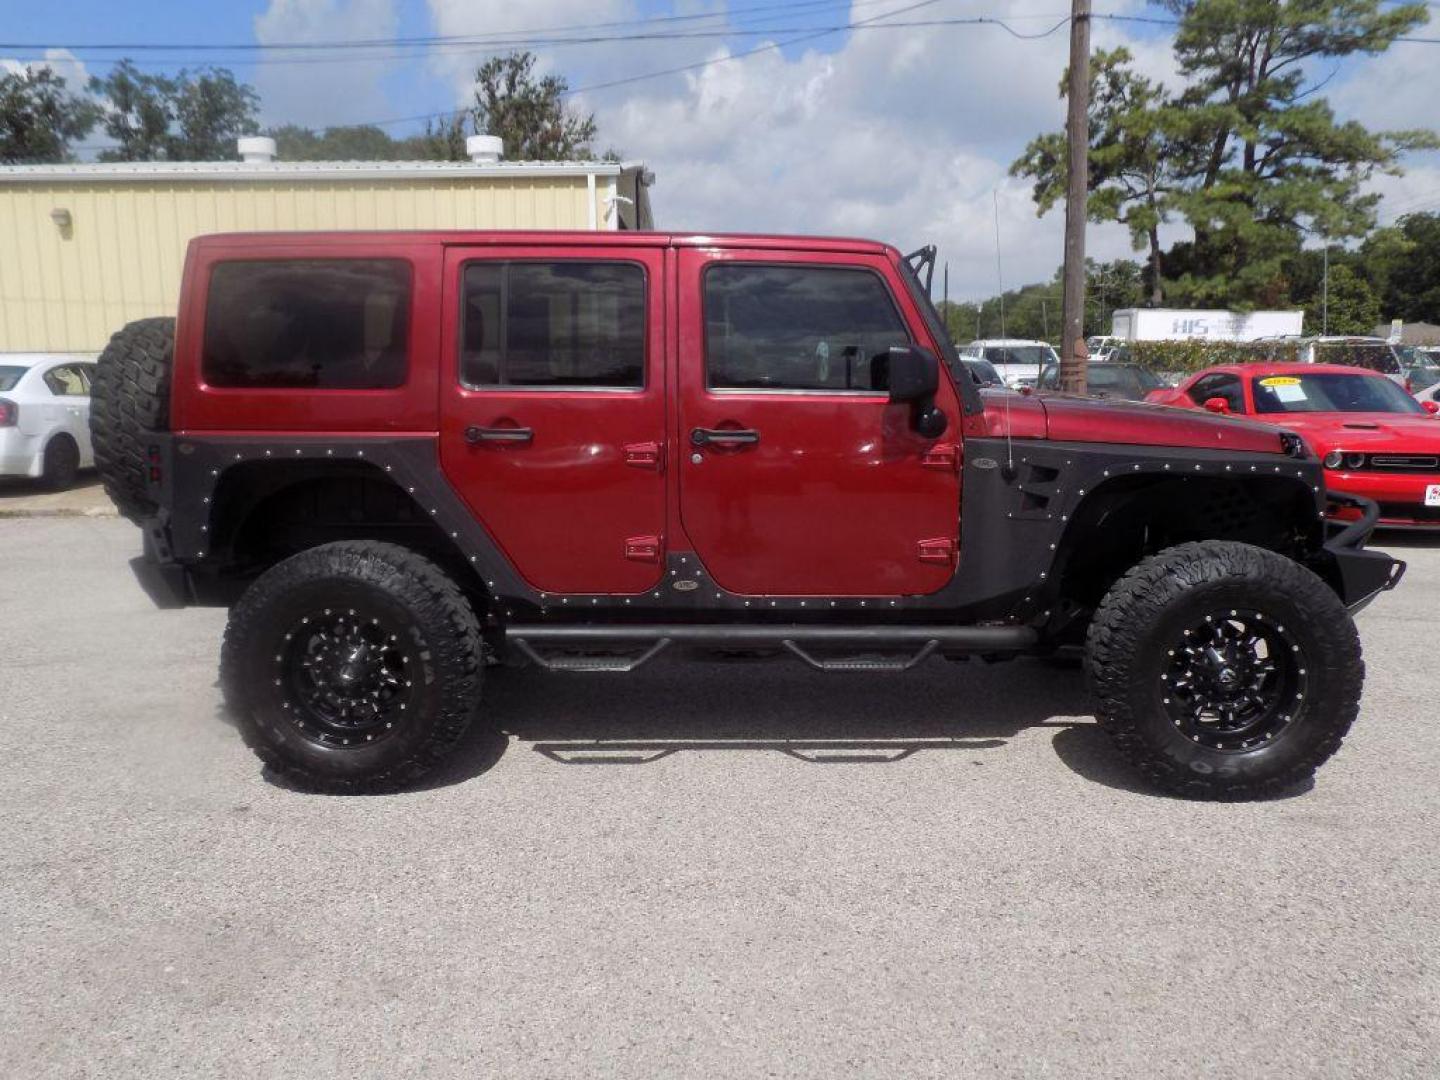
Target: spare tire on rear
[(129, 396)]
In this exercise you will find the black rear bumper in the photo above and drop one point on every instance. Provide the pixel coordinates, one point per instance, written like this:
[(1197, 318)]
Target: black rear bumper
[(1360, 575)]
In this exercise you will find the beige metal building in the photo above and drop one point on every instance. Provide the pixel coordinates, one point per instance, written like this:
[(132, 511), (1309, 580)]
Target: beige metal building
[(84, 249)]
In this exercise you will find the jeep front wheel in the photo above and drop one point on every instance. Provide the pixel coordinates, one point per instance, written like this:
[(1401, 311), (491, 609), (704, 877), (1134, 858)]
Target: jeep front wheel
[(1224, 670), (353, 666)]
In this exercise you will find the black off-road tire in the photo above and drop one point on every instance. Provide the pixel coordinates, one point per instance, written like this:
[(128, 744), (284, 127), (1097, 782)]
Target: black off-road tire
[(61, 463), (407, 596), (130, 395), (1128, 657)]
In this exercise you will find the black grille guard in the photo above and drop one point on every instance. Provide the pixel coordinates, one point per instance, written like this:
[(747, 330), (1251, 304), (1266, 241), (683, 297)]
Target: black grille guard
[(1363, 574)]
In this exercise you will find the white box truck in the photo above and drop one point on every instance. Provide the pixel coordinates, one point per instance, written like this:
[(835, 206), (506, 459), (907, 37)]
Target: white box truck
[(1175, 324)]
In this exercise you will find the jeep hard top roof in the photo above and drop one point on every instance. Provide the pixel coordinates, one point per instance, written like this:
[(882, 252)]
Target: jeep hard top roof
[(539, 237)]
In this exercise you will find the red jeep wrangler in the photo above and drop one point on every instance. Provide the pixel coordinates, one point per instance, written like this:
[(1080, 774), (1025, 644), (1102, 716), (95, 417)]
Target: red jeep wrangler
[(402, 457)]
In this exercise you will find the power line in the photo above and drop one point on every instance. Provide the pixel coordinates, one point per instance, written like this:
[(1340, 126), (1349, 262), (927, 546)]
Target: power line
[(803, 6), (490, 47)]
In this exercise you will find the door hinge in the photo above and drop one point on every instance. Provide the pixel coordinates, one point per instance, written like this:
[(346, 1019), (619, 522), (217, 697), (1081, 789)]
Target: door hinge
[(944, 456), (643, 455), (939, 550), (643, 549)]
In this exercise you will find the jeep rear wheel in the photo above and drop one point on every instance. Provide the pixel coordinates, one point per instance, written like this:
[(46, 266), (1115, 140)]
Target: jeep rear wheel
[(1224, 670), (129, 396), (353, 666)]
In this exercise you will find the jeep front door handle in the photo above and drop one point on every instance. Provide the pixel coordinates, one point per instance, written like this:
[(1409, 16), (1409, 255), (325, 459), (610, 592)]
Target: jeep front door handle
[(474, 434), (723, 437)]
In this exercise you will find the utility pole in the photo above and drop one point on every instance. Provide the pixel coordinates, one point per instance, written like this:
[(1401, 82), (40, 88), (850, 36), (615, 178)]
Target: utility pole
[(1325, 293), (1077, 138)]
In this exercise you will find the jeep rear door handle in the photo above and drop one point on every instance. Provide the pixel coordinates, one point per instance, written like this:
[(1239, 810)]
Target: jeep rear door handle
[(474, 434), (723, 436)]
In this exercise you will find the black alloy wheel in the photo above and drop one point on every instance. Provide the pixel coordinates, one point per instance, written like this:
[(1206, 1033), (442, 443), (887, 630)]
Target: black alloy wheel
[(347, 677), (1235, 681)]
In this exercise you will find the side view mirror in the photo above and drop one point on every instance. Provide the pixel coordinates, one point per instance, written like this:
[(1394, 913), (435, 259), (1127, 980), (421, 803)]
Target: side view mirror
[(912, 375), (1217, 405), (1431, 407)]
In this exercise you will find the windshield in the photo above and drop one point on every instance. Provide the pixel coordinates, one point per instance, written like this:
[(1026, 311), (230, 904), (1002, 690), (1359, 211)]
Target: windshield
[(1020, 354), (1331, 393), (11, 375)]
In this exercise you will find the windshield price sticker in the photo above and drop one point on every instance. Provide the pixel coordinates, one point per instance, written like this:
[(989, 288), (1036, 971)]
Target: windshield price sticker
[(1280, 380)]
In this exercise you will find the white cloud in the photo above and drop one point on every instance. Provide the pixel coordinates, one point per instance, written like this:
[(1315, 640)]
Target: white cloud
[(905, 135), (61, 61), (315, 93)]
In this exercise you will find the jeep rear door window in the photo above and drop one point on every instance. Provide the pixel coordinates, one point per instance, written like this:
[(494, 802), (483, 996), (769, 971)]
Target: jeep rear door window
[(553, 325), (324, 324), (797, 328)]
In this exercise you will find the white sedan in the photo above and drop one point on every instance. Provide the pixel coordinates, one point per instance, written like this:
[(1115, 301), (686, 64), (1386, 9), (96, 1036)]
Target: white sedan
[(45, 417)]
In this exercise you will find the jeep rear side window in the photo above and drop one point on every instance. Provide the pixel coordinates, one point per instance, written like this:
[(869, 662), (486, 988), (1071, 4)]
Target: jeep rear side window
[(553, 325), (797, 328), (324, 324)]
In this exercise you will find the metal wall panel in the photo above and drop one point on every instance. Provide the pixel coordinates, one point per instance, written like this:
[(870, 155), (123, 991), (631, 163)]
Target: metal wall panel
[(121, 258)]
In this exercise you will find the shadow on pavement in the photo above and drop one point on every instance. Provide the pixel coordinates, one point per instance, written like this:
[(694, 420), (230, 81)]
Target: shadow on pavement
[(700, 706)]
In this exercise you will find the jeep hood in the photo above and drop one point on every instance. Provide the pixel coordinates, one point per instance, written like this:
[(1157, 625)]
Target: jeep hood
[(1077, 419)]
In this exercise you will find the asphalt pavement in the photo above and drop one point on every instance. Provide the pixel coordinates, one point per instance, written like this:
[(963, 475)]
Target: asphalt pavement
[(704, 869)]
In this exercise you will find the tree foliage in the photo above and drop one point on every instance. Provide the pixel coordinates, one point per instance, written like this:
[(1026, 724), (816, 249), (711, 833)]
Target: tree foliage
[(529, 113), (1130, 180), (191, 116), (1244, 150), (39, 118)]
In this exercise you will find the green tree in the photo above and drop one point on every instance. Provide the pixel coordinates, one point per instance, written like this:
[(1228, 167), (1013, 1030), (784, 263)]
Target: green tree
[(1130, 180), (1404, 264), (39, 119), (192, 116), (1349, 306), (529, 114), (1262, 160)]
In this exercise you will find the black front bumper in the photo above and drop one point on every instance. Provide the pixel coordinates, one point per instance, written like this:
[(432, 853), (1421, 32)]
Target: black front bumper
[(1360, 575)]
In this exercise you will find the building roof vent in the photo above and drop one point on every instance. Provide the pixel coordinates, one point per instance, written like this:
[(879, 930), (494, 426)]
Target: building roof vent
[(485, 149), (256, 149)]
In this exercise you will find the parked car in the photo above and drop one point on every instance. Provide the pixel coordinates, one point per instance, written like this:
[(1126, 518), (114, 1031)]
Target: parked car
[(1375, 440), (401, 457), (1101, 346), (44, 418), (1129, 382), (1421, 368), (1017, 359)]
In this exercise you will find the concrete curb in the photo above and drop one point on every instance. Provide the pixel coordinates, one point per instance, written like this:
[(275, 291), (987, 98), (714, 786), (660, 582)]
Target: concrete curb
[(58, 512)]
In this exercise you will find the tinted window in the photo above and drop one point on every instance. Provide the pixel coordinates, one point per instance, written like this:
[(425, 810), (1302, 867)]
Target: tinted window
[(553, 324), (797, 328), (66, 381), (326, 324), (10, 375), (1221, 386), (1331, 393)]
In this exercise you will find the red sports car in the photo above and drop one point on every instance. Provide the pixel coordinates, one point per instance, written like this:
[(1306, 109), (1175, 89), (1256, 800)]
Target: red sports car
[(1375, 439)]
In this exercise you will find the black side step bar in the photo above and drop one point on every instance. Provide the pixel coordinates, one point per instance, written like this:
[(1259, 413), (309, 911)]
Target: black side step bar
[(801, 640)]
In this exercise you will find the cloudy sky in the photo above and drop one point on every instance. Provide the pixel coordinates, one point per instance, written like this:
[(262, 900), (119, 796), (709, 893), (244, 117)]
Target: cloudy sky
[(779, 121)]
